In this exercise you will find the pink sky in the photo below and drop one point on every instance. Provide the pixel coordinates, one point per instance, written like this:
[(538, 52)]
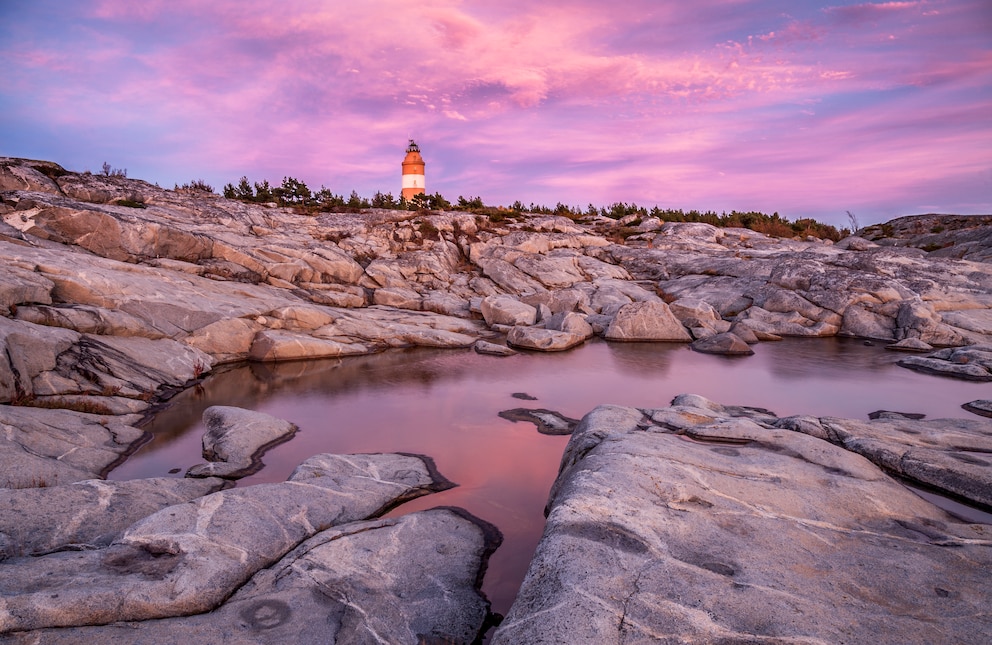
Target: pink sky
[(806, 108)]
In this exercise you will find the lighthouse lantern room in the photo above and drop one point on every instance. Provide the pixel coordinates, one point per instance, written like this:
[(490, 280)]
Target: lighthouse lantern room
[(413, 172)]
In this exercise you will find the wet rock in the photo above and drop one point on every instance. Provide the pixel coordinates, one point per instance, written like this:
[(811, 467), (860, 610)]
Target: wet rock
[(523, 396), (187, 559), (40, 447), (971, 363), (544, 340), (86, 514), (890, 414), (546, 421), (236, 439), (727, 344), (910, 345), (981, 407), (492, 349), (646, 321), (728, 530)]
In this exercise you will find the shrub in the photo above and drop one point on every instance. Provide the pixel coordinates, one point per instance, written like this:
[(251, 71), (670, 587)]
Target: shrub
[(196, 186)]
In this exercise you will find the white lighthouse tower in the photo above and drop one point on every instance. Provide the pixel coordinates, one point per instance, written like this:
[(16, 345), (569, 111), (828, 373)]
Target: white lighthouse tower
[(413, 173)]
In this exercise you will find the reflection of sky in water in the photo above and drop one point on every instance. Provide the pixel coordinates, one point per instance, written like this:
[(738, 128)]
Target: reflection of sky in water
[(444, 403)]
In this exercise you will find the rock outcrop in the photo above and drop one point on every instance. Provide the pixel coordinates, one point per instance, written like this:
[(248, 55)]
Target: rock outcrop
[(371, 581), (700, 523), (188, 558), (115, 294)]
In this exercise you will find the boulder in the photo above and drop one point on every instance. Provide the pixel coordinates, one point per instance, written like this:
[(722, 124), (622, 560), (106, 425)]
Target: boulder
[(187, 559), (492, 349), (727, 529), (971, 363), (646, 321), (545, 340), (727, 344), (982, 407), (507, 310), (236, 439), (546, 421), (570, 322)]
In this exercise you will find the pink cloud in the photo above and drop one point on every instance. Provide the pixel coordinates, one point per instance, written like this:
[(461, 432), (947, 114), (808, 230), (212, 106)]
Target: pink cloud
[(686, 105)]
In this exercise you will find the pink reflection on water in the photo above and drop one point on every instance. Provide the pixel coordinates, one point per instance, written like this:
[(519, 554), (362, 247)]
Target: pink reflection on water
[(444, 403)]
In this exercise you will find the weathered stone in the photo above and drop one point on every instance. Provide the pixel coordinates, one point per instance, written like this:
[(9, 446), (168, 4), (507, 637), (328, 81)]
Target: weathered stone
[(860, 322), (971, 363), (981, 407), (87, 319), (545, 340), (910, 345), (546, 421), (492, 349), (399, 297), (362, 581), (727, 344), (272, 345), (40, 447), (226, 341), (644, 543), (570, 322), (236, 439), (506, 310), (86, 514), (919, 320), (646, 321), (945, 454), (187, 559)]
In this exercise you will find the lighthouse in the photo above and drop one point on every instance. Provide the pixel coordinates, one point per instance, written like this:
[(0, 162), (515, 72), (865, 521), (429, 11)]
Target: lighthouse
[(413, 172)]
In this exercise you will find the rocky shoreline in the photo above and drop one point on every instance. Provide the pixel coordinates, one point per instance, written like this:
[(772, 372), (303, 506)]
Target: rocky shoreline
[(116, 294)]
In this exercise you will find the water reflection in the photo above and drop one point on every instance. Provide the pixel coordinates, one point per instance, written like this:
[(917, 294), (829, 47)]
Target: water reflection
[(445, 403)]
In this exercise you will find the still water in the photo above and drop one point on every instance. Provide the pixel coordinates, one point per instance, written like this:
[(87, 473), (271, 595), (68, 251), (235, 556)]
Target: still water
[(445, 404)]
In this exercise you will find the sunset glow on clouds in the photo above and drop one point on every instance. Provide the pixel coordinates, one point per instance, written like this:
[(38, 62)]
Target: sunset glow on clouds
[(805, 108)]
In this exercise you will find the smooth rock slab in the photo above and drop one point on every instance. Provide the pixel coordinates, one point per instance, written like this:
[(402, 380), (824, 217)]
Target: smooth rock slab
[(236, 439), (952, 455), (40, 447), (730, 531), (411, 579), (87, 514), (971, 363), (187, 559)]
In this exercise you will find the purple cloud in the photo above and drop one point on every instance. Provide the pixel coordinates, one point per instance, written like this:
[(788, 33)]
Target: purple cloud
[(805, 108)]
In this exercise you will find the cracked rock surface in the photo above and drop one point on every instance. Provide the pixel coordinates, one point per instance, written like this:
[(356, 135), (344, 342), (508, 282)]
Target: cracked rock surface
[(188, 558), (362, 582), (701, 523)]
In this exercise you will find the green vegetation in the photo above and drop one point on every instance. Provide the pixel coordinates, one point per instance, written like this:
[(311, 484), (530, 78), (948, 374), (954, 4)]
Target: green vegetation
[(294, 193), (195, 186)]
